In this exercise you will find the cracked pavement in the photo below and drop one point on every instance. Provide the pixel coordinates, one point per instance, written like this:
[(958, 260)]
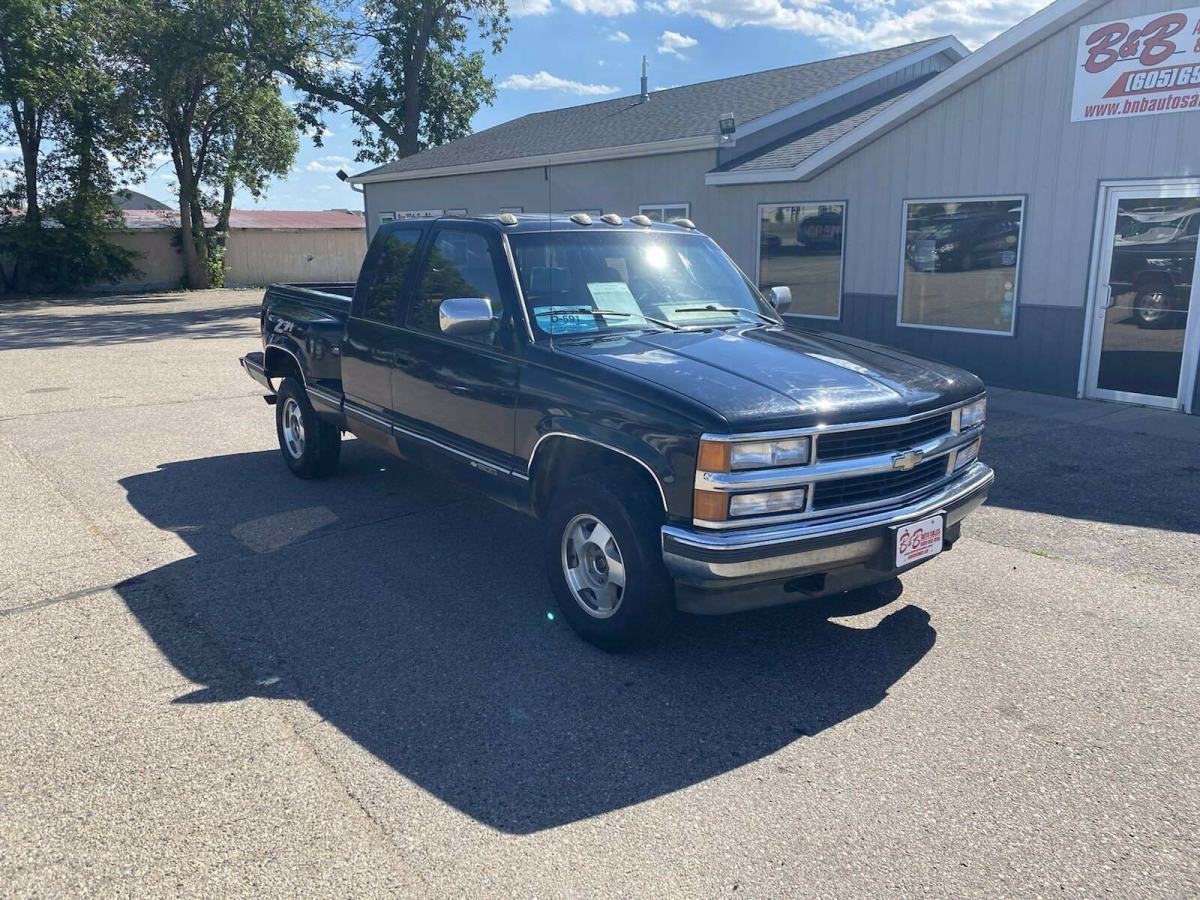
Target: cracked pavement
[(221, 680)]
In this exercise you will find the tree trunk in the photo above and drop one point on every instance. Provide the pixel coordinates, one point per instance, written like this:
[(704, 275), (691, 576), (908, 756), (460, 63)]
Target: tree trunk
[(195, 260), (410, 141), (221, 232)]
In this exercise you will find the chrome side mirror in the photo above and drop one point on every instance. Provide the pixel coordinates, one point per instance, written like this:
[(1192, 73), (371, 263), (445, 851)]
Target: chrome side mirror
[(780, 298), (464, 316)]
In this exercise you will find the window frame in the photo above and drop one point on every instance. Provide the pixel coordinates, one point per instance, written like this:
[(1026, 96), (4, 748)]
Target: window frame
[(662, 207), (500, 264), (758, 220), (1012, 329)]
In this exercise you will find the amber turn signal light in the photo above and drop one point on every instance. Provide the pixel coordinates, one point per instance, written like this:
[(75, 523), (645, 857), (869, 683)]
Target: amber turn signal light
[(710, 506), (713, 456)]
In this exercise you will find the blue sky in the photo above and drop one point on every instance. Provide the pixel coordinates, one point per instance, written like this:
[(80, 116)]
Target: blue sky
[(566, 52)]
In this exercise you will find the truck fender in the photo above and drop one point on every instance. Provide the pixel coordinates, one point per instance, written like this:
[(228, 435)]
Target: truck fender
[(640, 452)]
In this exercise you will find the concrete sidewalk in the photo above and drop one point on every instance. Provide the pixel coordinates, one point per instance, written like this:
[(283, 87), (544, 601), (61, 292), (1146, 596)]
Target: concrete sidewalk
[(1141, 420)]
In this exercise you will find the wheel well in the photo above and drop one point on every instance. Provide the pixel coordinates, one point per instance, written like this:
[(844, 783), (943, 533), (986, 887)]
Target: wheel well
[(281, 364), (562, 459), (1146, 280)]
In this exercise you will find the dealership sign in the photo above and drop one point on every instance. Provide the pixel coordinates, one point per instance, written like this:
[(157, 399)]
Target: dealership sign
[(1138, 67)]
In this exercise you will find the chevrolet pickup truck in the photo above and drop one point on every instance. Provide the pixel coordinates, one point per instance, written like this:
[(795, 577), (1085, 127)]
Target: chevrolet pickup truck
[(625, 383)]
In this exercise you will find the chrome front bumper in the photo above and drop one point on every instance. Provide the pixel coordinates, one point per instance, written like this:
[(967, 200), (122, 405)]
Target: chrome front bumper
[(733, 559)]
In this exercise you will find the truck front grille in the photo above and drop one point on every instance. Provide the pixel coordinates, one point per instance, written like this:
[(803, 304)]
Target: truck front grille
[(868, 441), (871, 488)]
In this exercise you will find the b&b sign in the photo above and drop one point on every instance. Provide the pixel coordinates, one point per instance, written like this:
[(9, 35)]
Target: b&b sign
[(1138, 67)]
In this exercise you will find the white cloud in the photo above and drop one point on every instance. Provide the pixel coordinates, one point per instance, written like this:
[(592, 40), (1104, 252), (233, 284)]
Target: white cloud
[(326, 164), (519, 8), (602, 7), (619, 37), (673, 43), (544, 81), (864, 24)]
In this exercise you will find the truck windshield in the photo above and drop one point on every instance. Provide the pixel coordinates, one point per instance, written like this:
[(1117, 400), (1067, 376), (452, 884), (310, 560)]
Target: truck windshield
[(579, 282)]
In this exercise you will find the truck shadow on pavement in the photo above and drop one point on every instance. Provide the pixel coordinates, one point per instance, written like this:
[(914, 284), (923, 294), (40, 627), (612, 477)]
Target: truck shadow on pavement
[(414, 618)]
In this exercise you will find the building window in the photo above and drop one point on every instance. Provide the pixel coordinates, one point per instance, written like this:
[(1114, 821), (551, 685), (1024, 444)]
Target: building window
[(666, 212), (515, 210), (384, 218), (457, 213), (590, 212), (800, 247), (958, 268)]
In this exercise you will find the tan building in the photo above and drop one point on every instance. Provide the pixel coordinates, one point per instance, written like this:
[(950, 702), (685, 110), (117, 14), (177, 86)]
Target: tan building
[(263, 246)]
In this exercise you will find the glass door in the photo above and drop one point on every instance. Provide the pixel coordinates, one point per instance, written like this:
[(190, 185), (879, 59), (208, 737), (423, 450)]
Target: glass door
[(1144, 342)]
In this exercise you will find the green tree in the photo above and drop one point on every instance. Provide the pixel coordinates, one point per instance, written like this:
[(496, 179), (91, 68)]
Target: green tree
[(66, 114), (215, 109), (402, 68)]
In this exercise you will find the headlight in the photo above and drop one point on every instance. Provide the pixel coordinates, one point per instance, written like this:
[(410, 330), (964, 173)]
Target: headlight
[(769, 502), (732, 456), (972, 414)]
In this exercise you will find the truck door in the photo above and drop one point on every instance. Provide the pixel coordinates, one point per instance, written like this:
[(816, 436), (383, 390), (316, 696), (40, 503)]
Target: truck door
[(373, 329), (460, 392)]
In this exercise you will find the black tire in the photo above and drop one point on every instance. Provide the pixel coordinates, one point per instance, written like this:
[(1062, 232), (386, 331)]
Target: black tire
[(1153, 307), (632, 512), (316, 453)]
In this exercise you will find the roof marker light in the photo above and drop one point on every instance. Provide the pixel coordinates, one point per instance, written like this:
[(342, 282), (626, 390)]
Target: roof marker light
[(639, 219), (581, 219), (610, 219), (684, 223), (506, 219)]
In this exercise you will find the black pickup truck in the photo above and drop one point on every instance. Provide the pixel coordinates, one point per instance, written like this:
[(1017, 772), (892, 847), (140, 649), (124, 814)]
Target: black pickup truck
[(624, 382)]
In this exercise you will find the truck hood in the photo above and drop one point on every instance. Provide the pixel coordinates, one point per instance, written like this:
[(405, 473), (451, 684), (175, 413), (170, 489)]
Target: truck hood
[(762, 378)]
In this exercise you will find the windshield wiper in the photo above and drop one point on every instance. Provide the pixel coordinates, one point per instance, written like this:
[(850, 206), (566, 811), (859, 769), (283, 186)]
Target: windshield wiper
[(604, 312), (712, 307)]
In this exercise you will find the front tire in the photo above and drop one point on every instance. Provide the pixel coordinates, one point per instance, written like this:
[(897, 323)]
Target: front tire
[(310, 446), (604, 562), (1153, 307)]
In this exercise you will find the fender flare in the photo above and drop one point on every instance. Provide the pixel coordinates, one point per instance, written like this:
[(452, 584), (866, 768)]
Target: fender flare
[(609, 442), (294, 353)]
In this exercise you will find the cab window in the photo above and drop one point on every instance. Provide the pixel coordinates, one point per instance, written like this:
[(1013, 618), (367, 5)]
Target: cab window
[(395, 258), (459, 264)]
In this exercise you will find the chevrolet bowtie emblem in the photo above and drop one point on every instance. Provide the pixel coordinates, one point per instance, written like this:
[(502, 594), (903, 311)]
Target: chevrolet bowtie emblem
[(907, 460)]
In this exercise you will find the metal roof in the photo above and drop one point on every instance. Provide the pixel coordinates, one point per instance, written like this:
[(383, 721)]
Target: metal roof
[(672, 114)]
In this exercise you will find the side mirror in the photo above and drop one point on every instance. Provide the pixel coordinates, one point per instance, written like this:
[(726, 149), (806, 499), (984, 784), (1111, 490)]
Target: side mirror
[(780, 298), (464, 316)]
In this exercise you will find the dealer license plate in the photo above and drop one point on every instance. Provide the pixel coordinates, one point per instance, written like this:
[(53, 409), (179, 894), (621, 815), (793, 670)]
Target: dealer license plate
[(918, 540)]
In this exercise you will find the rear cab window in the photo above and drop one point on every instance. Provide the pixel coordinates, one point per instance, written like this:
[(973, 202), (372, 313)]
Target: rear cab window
[(384, 277)]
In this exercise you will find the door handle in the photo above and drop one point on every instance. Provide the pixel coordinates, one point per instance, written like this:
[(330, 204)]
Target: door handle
[(459, 390)]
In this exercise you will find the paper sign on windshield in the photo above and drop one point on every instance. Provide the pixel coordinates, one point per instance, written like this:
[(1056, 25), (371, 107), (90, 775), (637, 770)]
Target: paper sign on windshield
[(564, 320), (614, 295), (1138, 67)]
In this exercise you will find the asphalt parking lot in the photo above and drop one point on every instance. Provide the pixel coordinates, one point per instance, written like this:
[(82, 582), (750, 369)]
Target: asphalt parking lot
[(221, 680)]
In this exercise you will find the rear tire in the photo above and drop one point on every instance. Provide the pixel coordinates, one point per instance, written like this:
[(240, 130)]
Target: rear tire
[(604, 561), (310, 446)]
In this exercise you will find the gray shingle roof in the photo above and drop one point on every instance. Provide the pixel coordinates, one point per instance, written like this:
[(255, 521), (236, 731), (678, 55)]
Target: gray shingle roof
[(795, 148), (688, 111)]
